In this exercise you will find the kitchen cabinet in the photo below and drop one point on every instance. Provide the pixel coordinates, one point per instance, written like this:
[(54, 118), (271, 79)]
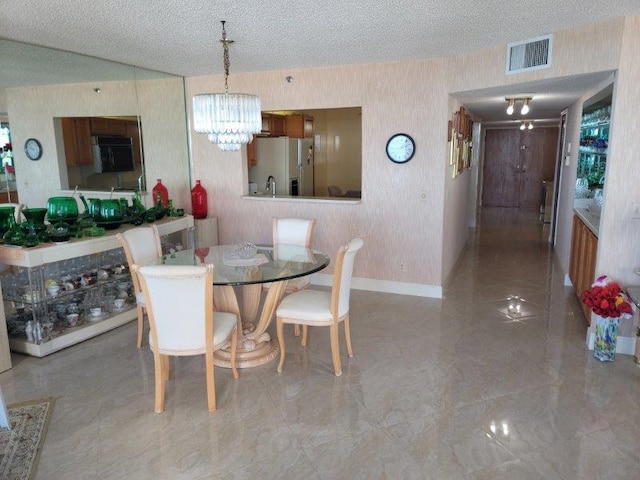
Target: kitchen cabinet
[(76, 134), (108, 126), (582, 263), (134, 132), (251, 154), (299, 126), (91, 272), (9, 196), (273, 125)]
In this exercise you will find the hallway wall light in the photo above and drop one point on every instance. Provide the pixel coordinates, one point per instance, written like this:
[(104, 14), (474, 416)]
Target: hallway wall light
[(512, 102)]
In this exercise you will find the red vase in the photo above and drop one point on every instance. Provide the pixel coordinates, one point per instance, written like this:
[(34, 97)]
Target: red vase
[(161, 190), (199, 201)]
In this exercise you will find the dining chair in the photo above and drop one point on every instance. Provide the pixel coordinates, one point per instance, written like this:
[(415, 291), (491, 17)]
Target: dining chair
[(321, 308), (141, 245), (298, 232), (184, 327)]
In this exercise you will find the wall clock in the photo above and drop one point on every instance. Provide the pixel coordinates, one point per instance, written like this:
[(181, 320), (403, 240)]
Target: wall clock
[(33, 149), (400, 148)]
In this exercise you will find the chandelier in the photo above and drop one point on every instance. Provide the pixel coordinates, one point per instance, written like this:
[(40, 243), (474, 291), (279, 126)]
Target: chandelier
[(229, 119)]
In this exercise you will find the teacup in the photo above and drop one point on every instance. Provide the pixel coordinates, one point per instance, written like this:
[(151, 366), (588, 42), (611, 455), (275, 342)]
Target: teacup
[(53, 290), (119, 303), (72, 319), (96, 311)]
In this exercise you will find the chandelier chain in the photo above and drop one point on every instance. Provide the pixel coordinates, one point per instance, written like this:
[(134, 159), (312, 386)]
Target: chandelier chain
[(225, 56)]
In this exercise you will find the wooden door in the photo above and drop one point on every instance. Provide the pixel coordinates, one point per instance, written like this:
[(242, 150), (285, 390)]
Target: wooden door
[(500, 177), (516, 163)]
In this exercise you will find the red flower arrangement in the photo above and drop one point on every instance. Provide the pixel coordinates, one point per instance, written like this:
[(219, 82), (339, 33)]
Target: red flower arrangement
[(607, 299)]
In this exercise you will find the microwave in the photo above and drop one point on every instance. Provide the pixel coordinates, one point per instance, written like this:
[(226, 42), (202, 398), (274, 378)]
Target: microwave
[(112, 154)]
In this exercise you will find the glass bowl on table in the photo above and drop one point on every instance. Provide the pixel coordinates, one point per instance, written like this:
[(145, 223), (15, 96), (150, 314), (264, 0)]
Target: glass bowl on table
[(246, 250)]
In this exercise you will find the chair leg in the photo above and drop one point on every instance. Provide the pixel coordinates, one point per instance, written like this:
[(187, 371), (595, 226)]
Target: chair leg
[(334, 333), (296, 330), (305, 335), (211, 385), (347, 335), (140, 325), (234, 347), (159, 374), (166, 367), (280, 332)]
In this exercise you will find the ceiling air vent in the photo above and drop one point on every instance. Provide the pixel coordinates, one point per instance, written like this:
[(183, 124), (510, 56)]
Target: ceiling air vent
[(529, 55)]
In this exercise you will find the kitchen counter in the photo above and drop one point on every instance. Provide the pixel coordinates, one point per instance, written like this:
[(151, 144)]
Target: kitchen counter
[(288, 198), (590, 218)]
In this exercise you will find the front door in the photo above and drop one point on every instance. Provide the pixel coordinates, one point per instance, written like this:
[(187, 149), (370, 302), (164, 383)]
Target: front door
[(516, 163)]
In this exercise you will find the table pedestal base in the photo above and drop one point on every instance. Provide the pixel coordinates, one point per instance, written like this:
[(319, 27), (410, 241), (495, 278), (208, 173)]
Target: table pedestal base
[(263, 353)]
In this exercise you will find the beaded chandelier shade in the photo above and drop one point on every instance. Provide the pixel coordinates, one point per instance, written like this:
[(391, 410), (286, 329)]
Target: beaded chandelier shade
[(228, 119)]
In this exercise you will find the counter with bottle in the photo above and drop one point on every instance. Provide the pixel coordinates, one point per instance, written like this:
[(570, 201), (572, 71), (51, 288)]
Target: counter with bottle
[(57, 295)]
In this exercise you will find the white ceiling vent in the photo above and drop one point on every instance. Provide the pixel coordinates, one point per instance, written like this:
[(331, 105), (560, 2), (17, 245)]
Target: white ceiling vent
[(529, 55)]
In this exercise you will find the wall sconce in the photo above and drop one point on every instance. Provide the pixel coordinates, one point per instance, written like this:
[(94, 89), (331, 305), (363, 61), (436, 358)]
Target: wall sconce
[(97, 90)]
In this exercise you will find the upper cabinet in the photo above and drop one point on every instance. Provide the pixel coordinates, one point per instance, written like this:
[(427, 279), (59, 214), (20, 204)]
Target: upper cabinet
[(108, 126), (299, 126), (273, 125), (76, 134)]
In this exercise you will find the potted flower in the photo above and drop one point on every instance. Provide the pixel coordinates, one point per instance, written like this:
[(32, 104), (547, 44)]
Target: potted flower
[(609, 302)]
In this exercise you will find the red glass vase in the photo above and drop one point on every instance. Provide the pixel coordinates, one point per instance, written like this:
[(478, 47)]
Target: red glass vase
[(199, 201), (161, 190)]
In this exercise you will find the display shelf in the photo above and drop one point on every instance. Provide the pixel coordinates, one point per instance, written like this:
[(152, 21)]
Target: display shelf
[(90, 273)]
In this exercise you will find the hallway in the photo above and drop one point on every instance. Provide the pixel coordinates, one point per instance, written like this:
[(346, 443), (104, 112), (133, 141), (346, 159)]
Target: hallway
[(453, 389)]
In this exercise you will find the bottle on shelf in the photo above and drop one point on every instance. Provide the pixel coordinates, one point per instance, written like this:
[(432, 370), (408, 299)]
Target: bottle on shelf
[(162, 191), (199, 201)]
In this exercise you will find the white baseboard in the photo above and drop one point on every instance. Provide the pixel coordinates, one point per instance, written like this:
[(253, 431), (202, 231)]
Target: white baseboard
[(386, 286), (625, 345)]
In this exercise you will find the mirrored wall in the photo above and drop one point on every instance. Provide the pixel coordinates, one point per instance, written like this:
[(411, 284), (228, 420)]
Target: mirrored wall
[(43, 91)]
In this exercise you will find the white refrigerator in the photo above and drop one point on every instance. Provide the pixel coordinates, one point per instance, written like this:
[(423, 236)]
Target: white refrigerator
[(288, 160)]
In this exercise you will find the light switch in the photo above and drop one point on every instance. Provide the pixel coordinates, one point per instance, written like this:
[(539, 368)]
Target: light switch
[(567, 160)]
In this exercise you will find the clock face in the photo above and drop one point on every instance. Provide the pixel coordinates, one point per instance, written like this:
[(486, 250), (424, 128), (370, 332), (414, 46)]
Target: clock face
[(400, 148), (33, 149)]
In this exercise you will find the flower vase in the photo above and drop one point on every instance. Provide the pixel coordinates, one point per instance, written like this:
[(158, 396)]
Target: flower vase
[(604, 348)]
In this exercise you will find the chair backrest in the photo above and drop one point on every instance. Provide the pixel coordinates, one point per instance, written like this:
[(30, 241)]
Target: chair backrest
[(179, 303), (341, 289), (335, 191), (141, 245), (293, 231)]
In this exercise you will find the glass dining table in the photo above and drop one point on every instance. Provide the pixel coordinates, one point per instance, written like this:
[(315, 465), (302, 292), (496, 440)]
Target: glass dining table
[(274, 265)]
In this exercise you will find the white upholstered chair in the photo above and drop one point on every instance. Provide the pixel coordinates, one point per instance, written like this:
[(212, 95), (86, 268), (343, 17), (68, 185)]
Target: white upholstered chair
[(141, 245), (297, 232), (182, 321), (322, 309)]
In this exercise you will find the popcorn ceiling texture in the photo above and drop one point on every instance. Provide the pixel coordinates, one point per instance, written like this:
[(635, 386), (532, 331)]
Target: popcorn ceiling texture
[(181, 37)]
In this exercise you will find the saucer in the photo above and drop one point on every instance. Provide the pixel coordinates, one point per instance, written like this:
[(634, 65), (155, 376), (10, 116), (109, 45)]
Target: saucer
[(97, 318)]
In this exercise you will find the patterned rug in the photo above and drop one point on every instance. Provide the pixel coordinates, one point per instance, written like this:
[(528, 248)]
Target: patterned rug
[(20, 446)]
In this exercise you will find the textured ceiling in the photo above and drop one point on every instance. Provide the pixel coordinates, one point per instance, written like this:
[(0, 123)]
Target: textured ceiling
[(182, 37)]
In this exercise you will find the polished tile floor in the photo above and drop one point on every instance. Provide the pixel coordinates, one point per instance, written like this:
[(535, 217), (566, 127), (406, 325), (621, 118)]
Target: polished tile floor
[(458, 388)]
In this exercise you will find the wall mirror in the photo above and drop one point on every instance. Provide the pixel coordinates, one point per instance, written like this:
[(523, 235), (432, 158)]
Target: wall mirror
[(43, 90), (335, 169)]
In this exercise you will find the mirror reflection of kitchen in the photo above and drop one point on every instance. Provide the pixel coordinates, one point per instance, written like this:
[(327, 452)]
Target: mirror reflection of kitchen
[(102, 153), (8, 193)]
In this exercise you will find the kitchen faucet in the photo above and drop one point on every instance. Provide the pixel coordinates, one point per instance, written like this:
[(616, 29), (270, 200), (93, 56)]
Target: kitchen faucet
[(271, 185)]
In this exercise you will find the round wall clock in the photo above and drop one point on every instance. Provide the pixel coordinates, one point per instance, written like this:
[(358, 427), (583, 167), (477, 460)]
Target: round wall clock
[(33, 149), (400, 148)]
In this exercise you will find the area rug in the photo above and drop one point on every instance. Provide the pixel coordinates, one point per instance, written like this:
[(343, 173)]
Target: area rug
[(20, 446)]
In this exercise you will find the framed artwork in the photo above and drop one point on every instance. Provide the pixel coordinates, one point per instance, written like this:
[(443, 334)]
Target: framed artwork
[(459, 130)]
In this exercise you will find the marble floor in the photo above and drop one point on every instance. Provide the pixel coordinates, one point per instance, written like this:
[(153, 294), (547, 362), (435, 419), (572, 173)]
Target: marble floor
[(457, 388)]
